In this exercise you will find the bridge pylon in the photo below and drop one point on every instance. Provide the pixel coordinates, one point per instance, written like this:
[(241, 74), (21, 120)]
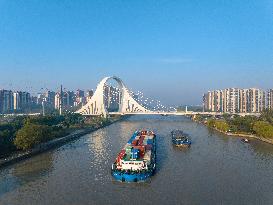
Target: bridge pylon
[(96, 106)]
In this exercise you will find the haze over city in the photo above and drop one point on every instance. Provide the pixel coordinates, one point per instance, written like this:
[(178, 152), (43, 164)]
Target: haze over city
[(173, 51)]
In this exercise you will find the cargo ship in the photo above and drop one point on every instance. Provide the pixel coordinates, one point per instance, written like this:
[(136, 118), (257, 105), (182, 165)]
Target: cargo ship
[(136, 162), (180, 139)]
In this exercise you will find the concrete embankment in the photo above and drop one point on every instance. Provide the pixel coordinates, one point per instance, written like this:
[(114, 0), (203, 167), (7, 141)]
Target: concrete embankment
[(21, 155), (270, 141)]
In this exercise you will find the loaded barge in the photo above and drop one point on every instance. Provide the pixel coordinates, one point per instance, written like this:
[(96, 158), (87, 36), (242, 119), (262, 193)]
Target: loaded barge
[(180, 139), (137, 160)]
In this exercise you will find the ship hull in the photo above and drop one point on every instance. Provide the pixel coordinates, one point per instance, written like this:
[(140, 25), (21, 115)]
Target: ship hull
[(132, 177), (182, 145)]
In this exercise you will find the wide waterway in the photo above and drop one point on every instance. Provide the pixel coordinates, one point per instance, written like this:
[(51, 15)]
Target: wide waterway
[(216, 169)]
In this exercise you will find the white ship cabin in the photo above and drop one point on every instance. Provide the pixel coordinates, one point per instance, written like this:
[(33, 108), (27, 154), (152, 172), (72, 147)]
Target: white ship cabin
[(133, 165)]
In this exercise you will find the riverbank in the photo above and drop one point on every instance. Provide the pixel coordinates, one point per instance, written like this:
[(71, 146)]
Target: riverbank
[(270, 141), (57, 142), (242, 135)]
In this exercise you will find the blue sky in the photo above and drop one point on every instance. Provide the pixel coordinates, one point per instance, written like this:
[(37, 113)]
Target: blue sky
[(172, 51)]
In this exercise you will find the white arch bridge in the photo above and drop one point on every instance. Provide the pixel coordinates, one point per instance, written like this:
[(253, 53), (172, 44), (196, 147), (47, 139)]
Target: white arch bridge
[(96, 105), (127, 104)]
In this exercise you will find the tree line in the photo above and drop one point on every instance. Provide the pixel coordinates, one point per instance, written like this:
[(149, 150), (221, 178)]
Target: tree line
[(22, 133), (260, 126)]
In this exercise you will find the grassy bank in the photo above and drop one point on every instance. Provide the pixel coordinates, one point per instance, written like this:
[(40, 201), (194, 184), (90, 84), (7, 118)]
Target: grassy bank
[(89, 125), (25, 133), (260, 128)]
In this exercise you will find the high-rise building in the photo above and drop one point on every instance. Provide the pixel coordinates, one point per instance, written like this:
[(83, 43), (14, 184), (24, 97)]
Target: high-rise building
[(40, 98), (33, 100), (17, 100), (68, 99), (21, 100), (270, 99), (65, 101), (206, 101), (79, 93), (57, 100), (256, 102), (217, 101), (80, 99), (244, 98), (49, 98), (112, 98), (116, 98), (89, 95), (234, 100), (6, 101)]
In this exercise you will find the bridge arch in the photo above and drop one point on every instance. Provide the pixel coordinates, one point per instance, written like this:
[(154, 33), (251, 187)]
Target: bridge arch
[(96, 105)]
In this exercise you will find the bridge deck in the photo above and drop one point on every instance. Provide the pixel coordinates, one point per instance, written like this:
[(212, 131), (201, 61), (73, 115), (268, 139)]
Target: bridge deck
[(180, 113)]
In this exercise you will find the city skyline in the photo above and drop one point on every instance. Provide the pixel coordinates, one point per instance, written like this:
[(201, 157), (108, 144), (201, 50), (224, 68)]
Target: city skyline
[(238, 100), (160, 48), (228, 100)]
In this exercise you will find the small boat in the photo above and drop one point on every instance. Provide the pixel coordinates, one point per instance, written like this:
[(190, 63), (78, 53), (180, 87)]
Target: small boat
[(245, 140), (180, 139)]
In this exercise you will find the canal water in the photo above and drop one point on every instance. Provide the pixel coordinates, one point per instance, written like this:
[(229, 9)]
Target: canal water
[(216, 169)]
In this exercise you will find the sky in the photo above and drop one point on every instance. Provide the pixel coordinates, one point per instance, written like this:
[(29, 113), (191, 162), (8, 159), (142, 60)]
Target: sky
[(172, 51)]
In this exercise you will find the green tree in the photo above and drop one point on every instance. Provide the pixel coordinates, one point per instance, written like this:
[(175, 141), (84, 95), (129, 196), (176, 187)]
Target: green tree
[(267, 115), (73, 118), (263, 129), (31, 134), (226, 116), (242, 124), (6, 138), (211, 123), (198, 118), (49, 120), (222, 125)]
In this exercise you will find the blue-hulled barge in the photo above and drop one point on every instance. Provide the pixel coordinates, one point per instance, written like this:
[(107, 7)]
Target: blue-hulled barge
[(180, 139), (136, 162)]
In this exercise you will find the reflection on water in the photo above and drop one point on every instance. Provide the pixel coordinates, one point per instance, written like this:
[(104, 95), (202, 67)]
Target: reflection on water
[(25, 172), (264, 150), (95, 144), (216, 169), (33, 169)]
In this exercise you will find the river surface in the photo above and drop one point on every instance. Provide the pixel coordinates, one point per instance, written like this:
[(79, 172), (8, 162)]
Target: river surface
[(216, 169)]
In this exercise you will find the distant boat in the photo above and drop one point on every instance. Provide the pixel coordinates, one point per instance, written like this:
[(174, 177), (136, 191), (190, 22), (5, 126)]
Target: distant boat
[(164, 114), (180, 139), (245, 140)]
